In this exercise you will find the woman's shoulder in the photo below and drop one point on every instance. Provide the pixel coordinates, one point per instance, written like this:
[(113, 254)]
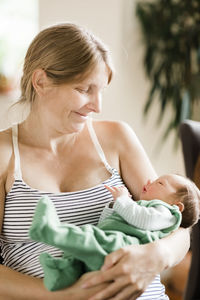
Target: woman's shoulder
[(118, 128), (5, 148), (5, 137), (118, 132)]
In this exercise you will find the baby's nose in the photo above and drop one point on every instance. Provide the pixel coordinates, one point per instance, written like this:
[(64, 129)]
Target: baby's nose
[(149, 182)]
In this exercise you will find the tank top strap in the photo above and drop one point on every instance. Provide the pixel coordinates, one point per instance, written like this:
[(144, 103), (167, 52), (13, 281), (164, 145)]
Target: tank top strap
[(98, 146), (17, 173)]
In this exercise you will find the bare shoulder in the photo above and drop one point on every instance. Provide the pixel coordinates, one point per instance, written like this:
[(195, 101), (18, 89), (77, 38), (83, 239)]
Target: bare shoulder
[(5, 155), (5, 139), (5, 149), (118, 133), (108, 125)]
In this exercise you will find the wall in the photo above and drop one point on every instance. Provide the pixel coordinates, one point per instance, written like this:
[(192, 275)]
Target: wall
[(114, 22)]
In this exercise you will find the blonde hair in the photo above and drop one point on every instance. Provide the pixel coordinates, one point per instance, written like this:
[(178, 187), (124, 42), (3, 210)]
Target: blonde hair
[(189, 195), (66, 52)]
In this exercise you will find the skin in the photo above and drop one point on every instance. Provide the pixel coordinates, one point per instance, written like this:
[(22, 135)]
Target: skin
[(162, 188), (50, 140)]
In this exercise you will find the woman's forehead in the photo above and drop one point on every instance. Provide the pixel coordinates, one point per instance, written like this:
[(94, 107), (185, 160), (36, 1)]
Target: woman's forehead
[(96, 73)]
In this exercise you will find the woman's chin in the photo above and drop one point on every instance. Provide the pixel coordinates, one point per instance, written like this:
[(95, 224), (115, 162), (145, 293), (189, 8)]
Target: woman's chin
[(77, 127)]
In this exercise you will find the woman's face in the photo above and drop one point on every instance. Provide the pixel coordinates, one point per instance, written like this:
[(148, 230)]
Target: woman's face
[(66, 107)]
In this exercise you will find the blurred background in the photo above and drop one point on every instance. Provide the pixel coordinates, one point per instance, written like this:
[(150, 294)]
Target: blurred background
[(149, 43)]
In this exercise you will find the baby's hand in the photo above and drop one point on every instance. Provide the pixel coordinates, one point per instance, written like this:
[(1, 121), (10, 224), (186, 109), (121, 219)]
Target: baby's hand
[(118, 191)]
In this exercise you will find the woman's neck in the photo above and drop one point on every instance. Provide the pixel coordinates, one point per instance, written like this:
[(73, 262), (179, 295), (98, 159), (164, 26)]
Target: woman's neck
[(36, 132)]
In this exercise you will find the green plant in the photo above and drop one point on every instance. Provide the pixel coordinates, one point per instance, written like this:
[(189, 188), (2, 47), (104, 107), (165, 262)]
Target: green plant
[(171, 35)]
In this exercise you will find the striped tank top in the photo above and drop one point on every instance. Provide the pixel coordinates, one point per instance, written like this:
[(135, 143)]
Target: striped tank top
[(18, 251)]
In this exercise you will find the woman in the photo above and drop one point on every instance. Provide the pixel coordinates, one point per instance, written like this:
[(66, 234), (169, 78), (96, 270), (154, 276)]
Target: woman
[(58, 151)]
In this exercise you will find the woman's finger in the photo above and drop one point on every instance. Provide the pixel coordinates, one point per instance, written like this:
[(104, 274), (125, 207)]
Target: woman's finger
[(110, 291), (112, 258), (121, 289), (102, 277), (128, 293)]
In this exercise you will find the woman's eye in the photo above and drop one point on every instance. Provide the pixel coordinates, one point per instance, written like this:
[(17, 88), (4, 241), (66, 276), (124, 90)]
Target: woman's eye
[(82, 90)]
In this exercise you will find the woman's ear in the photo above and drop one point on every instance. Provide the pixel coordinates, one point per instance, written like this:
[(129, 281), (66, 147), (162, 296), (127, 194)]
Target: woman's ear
[(180, 206), (40, 81)]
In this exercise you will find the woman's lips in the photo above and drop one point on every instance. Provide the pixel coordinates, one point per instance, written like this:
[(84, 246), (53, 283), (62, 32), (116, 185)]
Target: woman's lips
[(81, 115)]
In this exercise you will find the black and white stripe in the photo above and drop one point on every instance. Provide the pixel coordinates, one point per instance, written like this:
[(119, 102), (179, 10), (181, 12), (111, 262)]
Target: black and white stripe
[(82, 207)]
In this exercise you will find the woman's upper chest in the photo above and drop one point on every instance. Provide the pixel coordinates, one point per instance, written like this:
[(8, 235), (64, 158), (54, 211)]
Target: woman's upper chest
[(69, 170)]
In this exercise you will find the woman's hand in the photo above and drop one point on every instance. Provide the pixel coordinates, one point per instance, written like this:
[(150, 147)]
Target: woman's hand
[(76, 292), (129, 270)]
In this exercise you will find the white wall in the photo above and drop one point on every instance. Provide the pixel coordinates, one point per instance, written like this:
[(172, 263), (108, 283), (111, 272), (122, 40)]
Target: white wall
[(114, 22)]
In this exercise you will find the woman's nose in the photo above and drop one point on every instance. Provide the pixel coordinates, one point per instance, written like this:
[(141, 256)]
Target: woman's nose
[(149, 182), (95, 103)]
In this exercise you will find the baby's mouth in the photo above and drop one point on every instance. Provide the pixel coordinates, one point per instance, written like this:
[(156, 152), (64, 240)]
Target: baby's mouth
[(144, 189)]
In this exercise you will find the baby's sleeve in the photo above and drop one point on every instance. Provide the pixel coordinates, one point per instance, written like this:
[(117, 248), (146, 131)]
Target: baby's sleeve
[(147, 218)]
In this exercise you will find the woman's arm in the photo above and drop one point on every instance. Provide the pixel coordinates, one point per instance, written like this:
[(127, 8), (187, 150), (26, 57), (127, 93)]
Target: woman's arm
[(124, 152), (135, 266), (17, 286), (135, 166)]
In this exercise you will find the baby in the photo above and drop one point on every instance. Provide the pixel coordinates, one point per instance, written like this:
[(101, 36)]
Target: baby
[(172, 189), (166, 203)]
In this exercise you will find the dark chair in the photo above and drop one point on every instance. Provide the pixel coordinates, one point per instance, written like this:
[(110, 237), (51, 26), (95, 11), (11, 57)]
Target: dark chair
[(190, 139)]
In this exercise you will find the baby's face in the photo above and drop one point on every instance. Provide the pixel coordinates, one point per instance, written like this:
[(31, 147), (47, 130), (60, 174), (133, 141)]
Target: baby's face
[(162, 188)]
